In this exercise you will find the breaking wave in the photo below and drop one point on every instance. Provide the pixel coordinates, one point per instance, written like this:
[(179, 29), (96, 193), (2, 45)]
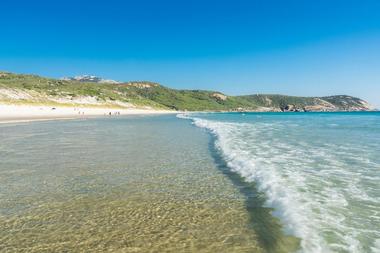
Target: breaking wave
[(324, 192)]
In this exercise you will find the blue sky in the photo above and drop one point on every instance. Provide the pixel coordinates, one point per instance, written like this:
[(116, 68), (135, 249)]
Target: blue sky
[(289, 47)]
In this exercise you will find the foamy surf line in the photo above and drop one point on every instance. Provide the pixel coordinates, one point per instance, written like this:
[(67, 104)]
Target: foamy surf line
[(246, 169), (287, 189)]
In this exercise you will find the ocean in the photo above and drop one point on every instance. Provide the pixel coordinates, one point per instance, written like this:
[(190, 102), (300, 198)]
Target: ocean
[(320, 172), (199, 182)]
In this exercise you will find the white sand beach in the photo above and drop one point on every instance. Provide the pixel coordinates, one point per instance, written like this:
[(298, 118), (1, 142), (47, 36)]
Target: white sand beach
[(25, 113)]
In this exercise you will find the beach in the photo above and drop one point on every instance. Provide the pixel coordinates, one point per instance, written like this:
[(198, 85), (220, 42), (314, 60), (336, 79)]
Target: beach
[(24, 113), (190, 126)]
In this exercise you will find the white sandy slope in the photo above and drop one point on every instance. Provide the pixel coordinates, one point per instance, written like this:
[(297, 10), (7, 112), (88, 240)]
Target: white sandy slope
[(24, 113)]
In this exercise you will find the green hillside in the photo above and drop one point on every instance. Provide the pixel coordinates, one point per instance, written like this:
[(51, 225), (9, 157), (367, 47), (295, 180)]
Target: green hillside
[(32, 89)]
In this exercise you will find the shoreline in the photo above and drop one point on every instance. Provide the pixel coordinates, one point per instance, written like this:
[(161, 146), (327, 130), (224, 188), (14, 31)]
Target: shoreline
[(30, 113), (14, 113)]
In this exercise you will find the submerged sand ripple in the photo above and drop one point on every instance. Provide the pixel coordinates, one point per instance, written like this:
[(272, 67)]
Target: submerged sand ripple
[(139, 223), (145, 184)]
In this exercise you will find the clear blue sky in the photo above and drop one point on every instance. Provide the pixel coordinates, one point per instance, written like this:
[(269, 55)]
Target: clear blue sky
[(299, 47)]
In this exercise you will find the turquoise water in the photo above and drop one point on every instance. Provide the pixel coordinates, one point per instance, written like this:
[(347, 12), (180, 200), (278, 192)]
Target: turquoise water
[(319, 171)]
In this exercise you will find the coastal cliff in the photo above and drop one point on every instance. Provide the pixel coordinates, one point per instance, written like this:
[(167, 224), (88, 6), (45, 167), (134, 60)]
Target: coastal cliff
[(97, 92)]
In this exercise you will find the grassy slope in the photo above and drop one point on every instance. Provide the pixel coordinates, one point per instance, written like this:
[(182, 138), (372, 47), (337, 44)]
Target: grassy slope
[(154, 95), (192, 100), (45, 87), (279, 101)]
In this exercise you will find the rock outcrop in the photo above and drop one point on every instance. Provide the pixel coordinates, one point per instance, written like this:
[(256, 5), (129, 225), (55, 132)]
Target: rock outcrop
[(89, 79), (219, 96)]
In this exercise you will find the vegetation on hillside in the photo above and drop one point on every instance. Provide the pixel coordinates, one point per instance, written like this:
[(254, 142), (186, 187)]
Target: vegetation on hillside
[(36, 89)]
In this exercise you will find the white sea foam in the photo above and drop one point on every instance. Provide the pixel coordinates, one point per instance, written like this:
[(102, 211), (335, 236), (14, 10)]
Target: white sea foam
[(183, 116), (376, 246), (308, 185)]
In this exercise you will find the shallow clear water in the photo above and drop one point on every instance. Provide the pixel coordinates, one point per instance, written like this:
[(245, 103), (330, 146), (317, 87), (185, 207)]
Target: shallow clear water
[(319, 171), (126, 184), (260, 182)]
